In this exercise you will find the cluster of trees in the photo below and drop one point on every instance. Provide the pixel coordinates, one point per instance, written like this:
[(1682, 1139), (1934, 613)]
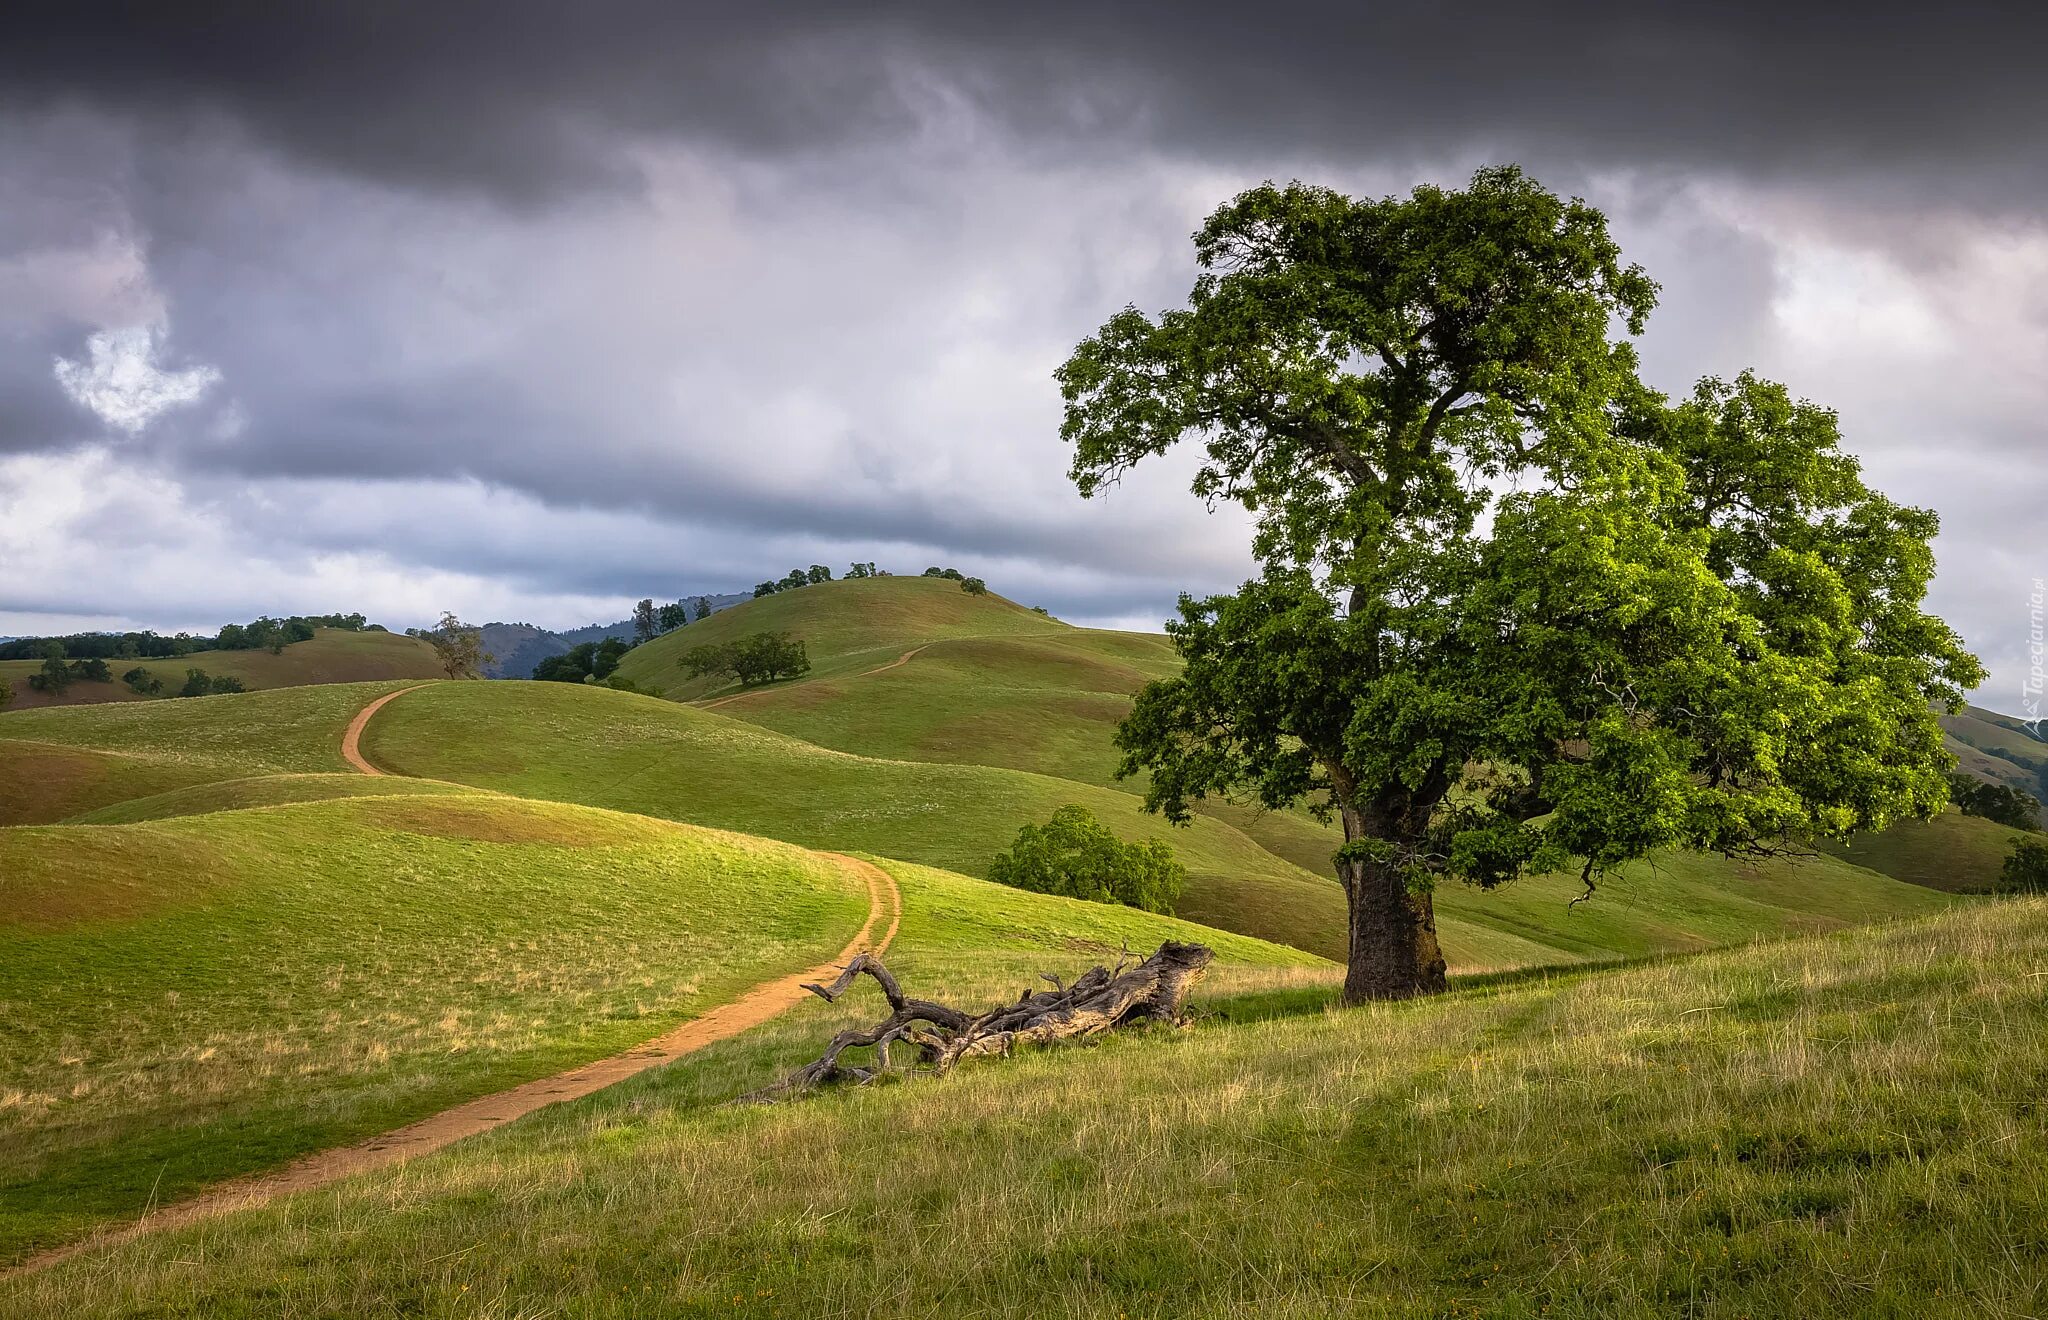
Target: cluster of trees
[(2026, 868), (798, 577), (58, 673), (1078, 856), (973, 586), (263, 633), (1998, 802), (592, 662), (651, 621), (761, 658)]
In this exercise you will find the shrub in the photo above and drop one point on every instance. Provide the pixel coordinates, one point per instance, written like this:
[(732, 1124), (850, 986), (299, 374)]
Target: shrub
[(1076, 855), (141, 681), (974, 586)]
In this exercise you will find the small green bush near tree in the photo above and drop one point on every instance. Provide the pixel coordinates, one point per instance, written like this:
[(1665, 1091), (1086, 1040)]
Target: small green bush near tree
[(142, 682), (6, 693), (1076, 855), (2026, 868), (199, 684)]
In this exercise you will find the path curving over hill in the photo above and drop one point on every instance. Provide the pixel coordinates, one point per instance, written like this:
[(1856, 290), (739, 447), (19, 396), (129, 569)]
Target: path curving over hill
[(352, 737), (903, 659), (752, 1007)]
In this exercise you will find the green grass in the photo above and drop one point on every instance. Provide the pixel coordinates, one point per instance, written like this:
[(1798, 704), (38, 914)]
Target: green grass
[(263, 791), (61, 761), (845, 626), (1953, 852), (331, 655), (575, 743), (1049, 704), (188, 999), (1843, 1125)]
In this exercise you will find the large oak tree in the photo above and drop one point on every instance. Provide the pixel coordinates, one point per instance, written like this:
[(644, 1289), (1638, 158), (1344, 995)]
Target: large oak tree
[(1517, 611)]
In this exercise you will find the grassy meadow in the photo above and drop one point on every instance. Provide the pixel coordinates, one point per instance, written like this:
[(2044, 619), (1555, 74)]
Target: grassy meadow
[(331, 655), (1840, 1125), (192, 998), (58, 762)]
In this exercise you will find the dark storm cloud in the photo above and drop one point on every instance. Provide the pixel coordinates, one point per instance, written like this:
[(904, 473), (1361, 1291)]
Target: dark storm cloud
[(529, 309), (524, 100)]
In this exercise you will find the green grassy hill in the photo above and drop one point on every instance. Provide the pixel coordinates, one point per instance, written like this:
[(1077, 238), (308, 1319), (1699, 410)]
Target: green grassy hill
[(1048, 702), (57, 762), (1953, 852), (1803, 1128), (631, 753), (192, 998), (845, 626), (331, 655)]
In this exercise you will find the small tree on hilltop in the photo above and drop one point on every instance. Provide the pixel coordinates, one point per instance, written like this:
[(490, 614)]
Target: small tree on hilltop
[(459, 647), (1517, 612), (817, 573), (766, 589), (646, 622), (974, 586), (1076, 855)]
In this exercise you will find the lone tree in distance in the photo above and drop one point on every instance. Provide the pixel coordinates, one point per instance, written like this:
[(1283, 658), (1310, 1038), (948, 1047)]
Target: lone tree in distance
[(646, 621), (1516, 612), (459, 647)]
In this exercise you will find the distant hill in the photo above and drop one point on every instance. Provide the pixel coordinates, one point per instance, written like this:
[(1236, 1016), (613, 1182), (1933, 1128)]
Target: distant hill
[(518, 647), (331, 655), (1998, 748)]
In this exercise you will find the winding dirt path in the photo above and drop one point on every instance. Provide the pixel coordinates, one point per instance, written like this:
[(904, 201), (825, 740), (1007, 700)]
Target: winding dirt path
[(753, 1007), (903, 659), (352, 737)]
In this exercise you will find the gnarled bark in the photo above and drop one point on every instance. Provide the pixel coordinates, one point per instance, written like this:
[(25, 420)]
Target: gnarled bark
[(1100, 999)]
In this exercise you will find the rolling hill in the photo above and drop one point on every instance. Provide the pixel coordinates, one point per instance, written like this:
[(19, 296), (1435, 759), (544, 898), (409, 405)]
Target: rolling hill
[(1998, 748), (331, 655), (1788, 1129), (237, 952)]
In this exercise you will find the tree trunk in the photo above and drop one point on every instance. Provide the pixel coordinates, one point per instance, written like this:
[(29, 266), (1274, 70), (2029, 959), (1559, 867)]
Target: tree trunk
[(1393, 953)]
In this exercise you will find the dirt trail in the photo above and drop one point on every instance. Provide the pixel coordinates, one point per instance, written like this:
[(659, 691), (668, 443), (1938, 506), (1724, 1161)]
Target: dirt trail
[(750, 1009), (352, 737), (903, 659)]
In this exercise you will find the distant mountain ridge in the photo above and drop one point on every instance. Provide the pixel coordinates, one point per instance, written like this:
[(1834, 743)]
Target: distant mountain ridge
[(517, 647)]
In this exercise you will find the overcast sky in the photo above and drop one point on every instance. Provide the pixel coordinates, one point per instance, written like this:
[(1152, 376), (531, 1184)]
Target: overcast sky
[(528, 311)]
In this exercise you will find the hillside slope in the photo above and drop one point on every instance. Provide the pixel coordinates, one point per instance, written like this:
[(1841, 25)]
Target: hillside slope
[(331, 655), (60, 761), (845, 626), (1785, 1130), (295, 976), (632, 753)]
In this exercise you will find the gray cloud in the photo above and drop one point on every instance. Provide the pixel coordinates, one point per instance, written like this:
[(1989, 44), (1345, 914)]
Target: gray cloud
[(531, 311)]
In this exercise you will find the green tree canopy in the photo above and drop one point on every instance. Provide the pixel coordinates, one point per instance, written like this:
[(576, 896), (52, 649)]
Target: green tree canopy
[(1517, 611), (1076, 855)]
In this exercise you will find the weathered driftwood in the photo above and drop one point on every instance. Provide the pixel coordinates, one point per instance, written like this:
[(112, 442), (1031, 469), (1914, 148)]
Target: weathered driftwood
[(1100, 999)]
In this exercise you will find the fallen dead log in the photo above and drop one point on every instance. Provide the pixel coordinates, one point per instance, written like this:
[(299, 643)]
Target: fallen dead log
[(1100, 999)]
